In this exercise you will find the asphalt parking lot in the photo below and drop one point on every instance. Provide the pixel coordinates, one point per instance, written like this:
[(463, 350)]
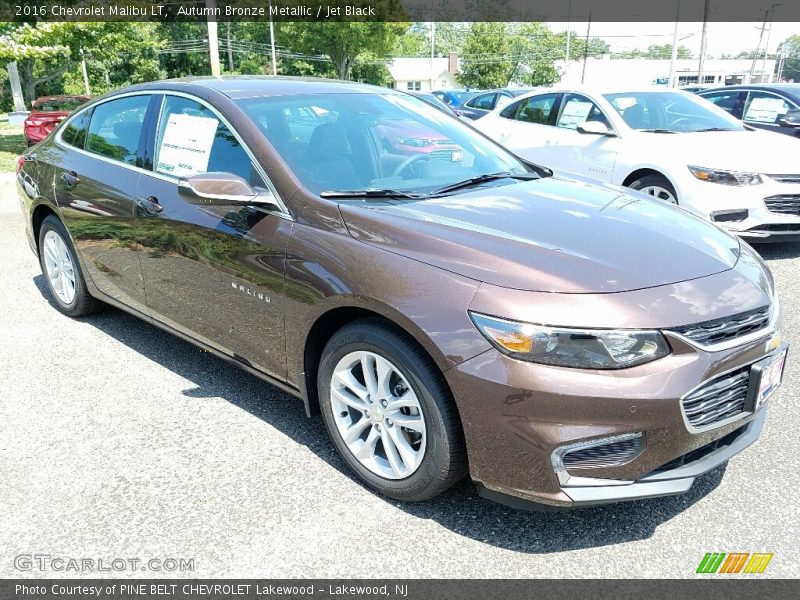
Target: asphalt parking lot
[(119, 440)]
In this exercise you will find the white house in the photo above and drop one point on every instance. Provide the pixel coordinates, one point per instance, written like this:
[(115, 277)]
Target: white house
[(644, 71), (423, 74)]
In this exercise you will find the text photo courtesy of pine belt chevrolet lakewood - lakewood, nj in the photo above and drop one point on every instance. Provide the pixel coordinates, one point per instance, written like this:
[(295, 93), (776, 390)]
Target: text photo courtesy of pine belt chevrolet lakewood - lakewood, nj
[(382, 293)]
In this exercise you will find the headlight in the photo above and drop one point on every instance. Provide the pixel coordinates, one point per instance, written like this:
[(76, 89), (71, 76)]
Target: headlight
[(577, 348), (725, 177)]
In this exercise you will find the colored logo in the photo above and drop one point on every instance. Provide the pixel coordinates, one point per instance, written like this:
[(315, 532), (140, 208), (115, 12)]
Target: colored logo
[(734, 562)]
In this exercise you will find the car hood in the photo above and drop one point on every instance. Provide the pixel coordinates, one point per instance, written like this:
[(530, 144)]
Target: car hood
[(553, 234), (750, 151)]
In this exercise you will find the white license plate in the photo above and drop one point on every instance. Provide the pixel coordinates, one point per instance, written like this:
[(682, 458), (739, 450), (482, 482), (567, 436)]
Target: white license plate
[(770, 379)]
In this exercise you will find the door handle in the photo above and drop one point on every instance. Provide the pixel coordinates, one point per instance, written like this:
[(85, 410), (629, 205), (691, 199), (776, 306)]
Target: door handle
[(29, 157), (70, 179), (150, 206)]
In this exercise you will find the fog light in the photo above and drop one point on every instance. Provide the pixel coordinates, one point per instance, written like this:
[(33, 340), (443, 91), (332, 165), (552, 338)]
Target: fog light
[(601, 453), (729, 216)]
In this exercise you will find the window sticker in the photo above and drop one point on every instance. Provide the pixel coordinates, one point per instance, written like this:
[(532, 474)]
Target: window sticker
[(575, 113), (186, 145), (765, 110)]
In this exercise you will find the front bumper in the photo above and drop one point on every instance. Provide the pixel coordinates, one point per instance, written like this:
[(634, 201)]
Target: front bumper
[(744, 210), (516, 415)]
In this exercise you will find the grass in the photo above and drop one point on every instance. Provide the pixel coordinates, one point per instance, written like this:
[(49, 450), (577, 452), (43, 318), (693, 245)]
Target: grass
[(12, 144)]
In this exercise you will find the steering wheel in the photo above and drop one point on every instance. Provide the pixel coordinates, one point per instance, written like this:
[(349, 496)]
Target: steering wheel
[(682, 121), (411, 160)]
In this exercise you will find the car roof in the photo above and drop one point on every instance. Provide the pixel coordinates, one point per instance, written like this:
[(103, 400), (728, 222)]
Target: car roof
[(792, 89), (250, 86)]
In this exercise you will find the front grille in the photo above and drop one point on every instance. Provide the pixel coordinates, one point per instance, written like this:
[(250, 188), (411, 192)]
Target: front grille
[(784, 178), (785, 205), (719, 399), (701, 452), (716, 331), (612, 454)]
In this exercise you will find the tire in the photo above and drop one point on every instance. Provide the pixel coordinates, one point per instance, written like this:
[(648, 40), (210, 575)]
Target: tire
[(429, 446), (57, 256), (650, 184)]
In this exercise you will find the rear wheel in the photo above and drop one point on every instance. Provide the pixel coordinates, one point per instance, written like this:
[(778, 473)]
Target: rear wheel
[(389, 412), (62, 272), (657, 186)]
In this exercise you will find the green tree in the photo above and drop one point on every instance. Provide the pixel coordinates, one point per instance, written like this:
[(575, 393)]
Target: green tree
[(535, 49), (790, 49), (665, 51), (486, 60), (343, 41)]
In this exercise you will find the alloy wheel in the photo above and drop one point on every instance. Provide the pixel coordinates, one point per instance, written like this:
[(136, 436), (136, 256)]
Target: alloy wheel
[(378, 415), (58, 267), (659, 192)]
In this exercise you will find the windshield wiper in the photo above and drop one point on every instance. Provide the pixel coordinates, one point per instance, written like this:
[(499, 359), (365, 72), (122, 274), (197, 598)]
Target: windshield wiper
[(370, 193), (482, 179), (657, 130), (716, 129)]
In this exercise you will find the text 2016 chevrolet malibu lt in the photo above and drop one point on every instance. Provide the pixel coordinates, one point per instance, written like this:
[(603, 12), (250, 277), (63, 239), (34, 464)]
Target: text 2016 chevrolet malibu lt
[(447, 311)]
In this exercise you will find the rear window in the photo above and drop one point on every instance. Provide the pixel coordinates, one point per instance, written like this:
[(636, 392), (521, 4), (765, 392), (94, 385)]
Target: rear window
[(59, 105)]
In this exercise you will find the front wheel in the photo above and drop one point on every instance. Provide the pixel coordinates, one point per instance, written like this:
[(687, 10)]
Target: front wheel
[(389, 412), (657, 186)]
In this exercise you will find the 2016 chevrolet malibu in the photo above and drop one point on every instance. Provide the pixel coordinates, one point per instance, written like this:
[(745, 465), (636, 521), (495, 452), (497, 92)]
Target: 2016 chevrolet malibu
[(447, 312)]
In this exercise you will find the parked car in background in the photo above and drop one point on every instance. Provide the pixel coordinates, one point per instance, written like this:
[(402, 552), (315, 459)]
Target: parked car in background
[(774, 107), (453, 97), (670, 144), (46, 113), (695, 88), (434, 101), (445, 315), (484, 102)]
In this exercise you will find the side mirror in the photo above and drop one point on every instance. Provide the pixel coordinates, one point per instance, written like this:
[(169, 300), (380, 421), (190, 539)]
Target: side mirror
[(220, 189), (595, 128), (790, 119)]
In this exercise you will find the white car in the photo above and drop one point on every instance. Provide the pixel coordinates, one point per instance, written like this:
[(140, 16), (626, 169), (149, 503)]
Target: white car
[(667, 143)]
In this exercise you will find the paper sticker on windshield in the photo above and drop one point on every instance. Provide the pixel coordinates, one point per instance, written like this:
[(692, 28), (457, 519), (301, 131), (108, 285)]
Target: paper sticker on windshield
[(186, 145), (765, 110), (575, 113)]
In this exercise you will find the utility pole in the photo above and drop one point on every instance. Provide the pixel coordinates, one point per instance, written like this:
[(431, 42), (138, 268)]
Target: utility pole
[(706, 8), (213, 41), (766, 46), (674, 46), (433, 49), (586, 47), (758, 48), (569, 25), (228, 40), (272, 41), (85, 74)]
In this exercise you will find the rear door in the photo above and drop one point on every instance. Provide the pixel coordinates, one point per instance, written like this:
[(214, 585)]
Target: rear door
[(97, 164), (212, 272), (526, 127)]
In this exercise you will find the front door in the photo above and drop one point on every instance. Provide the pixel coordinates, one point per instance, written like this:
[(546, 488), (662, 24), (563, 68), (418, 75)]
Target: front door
[(215, 273)]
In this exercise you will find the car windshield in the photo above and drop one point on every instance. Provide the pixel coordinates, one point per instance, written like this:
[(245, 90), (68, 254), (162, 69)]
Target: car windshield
[(672, 112), (357, 141)]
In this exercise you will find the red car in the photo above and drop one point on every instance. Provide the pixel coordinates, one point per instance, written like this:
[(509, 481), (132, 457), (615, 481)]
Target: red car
[(46, 113)]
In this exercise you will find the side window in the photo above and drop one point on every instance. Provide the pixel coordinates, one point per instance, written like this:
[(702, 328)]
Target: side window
[(727, 101), (577, 110), (116, 126), (75, 131), (766, 108), (192, 140), (536, 109), (484, 102)]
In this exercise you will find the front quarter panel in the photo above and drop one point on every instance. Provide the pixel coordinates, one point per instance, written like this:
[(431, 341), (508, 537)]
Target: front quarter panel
[(327, 269)]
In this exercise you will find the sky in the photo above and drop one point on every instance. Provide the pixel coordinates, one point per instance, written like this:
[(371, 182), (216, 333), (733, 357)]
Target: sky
[(721, 38)]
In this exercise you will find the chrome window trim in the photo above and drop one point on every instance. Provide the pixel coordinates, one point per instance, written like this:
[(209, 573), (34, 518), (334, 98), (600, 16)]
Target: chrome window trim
[(283, 212)]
